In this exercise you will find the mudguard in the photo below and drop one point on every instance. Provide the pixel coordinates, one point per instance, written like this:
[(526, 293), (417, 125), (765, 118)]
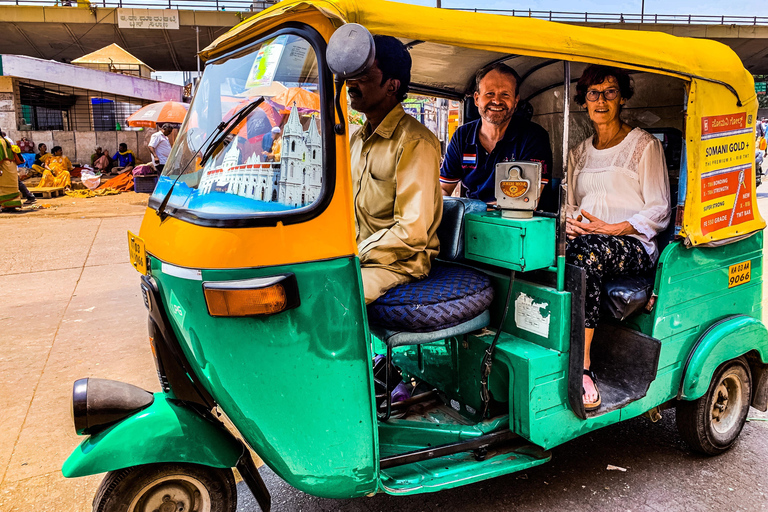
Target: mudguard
[(725, 340), (166, 431)]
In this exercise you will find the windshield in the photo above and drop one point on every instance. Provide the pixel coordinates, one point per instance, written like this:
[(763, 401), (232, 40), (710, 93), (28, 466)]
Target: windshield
[(272, 160)]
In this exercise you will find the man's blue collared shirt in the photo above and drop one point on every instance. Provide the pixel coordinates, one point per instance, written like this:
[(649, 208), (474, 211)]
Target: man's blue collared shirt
[(467, 161)]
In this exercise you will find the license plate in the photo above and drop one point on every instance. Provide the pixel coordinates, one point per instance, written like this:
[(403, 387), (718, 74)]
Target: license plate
[(740, 273), (137, 252)]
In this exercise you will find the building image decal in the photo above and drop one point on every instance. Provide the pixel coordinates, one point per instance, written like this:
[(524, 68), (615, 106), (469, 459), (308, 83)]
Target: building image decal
[(293, 181)]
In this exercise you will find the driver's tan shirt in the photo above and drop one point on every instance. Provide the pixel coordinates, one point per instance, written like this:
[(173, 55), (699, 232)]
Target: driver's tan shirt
[(397, 195)]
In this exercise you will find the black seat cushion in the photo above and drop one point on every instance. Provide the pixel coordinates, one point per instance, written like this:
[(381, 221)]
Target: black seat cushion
[(624, 295), (450, 295), (451, 229)]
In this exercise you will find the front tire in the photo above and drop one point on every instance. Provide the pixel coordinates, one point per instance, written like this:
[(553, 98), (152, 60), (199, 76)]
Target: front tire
[(172, 487), (712, 423)]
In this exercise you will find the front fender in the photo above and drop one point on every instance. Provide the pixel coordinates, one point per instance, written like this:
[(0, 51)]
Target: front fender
[(165, 431), (728, 339)]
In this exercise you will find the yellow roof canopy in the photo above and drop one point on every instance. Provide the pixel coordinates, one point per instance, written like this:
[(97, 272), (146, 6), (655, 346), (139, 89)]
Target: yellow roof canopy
[(112, 54), (450, 45)]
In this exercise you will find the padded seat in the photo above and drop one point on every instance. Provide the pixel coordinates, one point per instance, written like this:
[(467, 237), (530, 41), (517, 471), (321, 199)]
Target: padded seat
[(452, 300), (449, 296)]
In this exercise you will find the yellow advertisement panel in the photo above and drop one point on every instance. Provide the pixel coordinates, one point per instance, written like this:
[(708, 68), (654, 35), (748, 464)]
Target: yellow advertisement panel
[(720, 199)]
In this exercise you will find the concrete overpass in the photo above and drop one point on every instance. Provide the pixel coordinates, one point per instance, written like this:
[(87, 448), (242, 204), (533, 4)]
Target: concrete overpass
[(39, 29)]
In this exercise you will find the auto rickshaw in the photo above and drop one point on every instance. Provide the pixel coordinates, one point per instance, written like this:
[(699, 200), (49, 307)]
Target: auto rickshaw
[(257, 320)]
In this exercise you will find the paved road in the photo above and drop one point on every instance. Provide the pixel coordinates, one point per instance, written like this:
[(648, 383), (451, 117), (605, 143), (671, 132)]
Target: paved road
[(71, 308)]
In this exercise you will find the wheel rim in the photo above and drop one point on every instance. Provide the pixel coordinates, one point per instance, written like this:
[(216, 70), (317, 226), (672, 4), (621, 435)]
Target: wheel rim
[(176, 493), (726, 404)]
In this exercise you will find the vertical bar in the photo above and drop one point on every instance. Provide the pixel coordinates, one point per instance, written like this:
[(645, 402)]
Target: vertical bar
[(197, 54), (561, 238)]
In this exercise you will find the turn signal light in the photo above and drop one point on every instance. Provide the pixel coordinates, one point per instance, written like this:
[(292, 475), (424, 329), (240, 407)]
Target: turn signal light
[(253, 297)]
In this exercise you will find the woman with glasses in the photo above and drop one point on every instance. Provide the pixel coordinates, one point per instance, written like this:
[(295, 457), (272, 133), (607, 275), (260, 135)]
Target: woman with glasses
[(618, 198)]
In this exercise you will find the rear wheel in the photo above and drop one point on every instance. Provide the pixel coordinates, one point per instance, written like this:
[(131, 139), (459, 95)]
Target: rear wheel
[(167, 488), (712, 423)]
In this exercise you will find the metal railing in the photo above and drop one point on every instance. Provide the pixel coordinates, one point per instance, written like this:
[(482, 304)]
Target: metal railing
[(605, 17), (185, 5), (561, 16)]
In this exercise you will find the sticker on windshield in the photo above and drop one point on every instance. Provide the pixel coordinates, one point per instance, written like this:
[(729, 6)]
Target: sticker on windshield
[(532, 316), (740, 273), (266, 62)]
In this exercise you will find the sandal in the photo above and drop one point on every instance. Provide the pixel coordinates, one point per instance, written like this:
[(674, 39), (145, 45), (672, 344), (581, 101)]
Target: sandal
[(592, 405)]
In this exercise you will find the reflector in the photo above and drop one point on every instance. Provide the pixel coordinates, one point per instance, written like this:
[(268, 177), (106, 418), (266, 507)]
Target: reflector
[(231, 302)]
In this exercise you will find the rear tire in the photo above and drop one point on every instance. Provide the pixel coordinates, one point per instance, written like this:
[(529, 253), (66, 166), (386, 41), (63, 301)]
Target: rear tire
[(712, 423), (172, 487)]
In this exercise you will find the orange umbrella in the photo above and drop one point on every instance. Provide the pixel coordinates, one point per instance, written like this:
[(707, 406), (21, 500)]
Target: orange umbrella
[(303, 99), (159, 113)]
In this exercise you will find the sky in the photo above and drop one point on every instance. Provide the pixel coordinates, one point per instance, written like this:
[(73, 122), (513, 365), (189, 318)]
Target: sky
[(709, 7)]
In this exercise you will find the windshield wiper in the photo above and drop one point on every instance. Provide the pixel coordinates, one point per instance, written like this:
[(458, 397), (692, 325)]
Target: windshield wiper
[(219, 134)]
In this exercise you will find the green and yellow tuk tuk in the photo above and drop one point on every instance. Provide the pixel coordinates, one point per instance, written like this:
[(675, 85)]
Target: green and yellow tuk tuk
[(252, 281)]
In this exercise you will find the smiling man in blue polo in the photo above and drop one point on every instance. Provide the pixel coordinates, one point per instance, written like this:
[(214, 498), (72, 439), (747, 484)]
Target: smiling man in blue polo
[(496, 137)]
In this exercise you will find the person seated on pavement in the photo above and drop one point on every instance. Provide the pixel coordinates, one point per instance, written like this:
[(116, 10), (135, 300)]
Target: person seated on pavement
[(57, 170), (617, 201), (100, 161), (42, 156), (124, 159), (498, 136), (395, 161)]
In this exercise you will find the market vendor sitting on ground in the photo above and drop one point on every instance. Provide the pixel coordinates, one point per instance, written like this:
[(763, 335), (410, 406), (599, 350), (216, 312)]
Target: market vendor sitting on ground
[(57, 170), (395, 168), (498, 136), (160, 146), (100, 161), (124, 159), (42, 156)]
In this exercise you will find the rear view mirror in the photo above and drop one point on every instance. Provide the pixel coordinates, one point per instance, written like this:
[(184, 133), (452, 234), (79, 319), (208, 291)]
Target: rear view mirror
[(350, 51)]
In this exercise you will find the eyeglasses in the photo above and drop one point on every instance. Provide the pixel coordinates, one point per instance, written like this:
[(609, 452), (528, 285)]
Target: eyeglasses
[(608, 94)]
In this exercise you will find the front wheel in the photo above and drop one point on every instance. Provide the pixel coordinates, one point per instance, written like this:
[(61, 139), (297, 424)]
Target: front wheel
[(167, 488), (712, 423)]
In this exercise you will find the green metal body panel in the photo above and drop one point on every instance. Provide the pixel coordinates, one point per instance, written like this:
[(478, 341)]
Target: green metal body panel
[(724, 341), (298, 385), (693, 294), (517, 244), (163, 432)]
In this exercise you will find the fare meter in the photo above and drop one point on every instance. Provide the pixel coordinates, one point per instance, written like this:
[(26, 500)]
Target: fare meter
[(518, 185)]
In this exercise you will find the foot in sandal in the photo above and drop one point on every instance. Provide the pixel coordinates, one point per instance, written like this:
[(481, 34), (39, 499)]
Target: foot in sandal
[(591, 395)]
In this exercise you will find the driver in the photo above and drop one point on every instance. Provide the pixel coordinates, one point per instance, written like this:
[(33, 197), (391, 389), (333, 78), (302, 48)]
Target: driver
[(395, 171), (498, 136)]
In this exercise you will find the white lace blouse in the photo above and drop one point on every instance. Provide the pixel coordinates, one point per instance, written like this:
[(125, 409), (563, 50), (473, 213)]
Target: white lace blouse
[(626, 182)]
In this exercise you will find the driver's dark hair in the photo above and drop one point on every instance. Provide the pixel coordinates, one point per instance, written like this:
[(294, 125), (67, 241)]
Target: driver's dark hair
[(597, 74), (394, 61), (501, 68)]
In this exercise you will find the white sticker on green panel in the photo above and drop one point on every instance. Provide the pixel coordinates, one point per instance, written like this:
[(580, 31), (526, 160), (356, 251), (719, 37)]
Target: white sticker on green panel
[(532, 316), (176, 310)]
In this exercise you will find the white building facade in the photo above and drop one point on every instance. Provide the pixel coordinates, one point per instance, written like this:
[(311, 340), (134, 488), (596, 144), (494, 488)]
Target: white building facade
[(294, 181)]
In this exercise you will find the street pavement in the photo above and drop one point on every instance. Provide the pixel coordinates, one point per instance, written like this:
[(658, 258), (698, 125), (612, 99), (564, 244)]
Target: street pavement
[(72, 308)]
